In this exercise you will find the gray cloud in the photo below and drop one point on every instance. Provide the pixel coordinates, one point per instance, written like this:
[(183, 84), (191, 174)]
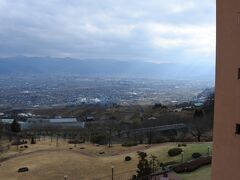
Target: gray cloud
[(153, 30)]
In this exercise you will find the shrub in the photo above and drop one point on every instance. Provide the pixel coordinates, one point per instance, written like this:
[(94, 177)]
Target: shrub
[(25, 146), (102, 152), (193, 165), (128, 158), (23, 169), (174, 152), (129, 144), (196, 155)]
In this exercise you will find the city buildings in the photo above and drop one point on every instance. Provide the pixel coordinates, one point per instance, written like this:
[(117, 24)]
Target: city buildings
[(44, 123)]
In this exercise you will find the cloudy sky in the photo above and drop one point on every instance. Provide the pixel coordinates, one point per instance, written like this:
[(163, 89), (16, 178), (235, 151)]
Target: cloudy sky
[(147, 30)]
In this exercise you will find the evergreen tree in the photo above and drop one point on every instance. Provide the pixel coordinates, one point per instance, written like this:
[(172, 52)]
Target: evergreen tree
[(198, 113), (15, 126), (144, 168)]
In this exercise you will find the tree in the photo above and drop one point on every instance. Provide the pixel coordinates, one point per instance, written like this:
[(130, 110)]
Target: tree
[(198, 113), (144, 168), (15, 126), (110, 128), (208, 105), (149, 136), (200, 125), (33, 141), (1, 133), (1, 130), (153, 163)]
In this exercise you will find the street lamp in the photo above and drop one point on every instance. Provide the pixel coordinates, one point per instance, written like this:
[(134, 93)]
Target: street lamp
[(112, 171), (208, 150), (182, 153)]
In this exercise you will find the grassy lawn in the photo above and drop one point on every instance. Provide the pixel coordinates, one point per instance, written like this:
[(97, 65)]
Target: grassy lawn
[(54, 162), (161, 151)]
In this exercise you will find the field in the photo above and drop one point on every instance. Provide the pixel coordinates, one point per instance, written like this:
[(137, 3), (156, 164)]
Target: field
[(46, 161)]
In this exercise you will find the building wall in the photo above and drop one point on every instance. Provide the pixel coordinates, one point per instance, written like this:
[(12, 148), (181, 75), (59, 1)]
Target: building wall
[(226, 146)]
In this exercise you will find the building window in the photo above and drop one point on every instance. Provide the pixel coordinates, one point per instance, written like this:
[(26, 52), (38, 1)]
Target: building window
[(238, 18), (238, 73), (237, 129)]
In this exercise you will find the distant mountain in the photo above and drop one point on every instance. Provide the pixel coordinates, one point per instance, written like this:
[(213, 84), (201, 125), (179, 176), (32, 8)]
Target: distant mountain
[(103, 68)]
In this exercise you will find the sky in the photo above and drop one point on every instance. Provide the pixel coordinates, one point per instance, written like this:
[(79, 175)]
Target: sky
[(143, 30)]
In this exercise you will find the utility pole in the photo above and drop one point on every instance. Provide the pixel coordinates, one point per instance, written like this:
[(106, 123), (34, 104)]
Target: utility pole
[(112, 171), (182, 153), (208, 150), (57, 141)]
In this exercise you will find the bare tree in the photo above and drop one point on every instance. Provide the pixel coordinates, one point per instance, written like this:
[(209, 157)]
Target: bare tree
[(200, 125), (1, 130), (111, 125), (1, 134)]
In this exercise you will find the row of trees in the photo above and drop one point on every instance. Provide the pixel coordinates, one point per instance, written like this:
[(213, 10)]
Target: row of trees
[(112, 129)]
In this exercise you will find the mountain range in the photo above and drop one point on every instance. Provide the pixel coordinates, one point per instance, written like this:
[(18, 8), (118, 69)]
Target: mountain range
[(104, 68)]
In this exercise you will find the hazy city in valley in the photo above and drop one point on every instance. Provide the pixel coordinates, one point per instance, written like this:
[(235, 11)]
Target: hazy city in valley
[(27, 92), (110, 90)]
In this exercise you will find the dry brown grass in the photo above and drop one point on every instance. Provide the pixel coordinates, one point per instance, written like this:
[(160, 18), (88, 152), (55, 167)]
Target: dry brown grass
[(48, 162)]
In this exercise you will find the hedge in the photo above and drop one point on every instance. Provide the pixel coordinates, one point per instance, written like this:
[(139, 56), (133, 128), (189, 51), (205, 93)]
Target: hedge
[(196, 155), (193, 165)]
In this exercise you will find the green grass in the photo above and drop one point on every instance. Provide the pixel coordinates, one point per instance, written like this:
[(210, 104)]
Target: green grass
[(203, 173), (161, 151), (192, 148)]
